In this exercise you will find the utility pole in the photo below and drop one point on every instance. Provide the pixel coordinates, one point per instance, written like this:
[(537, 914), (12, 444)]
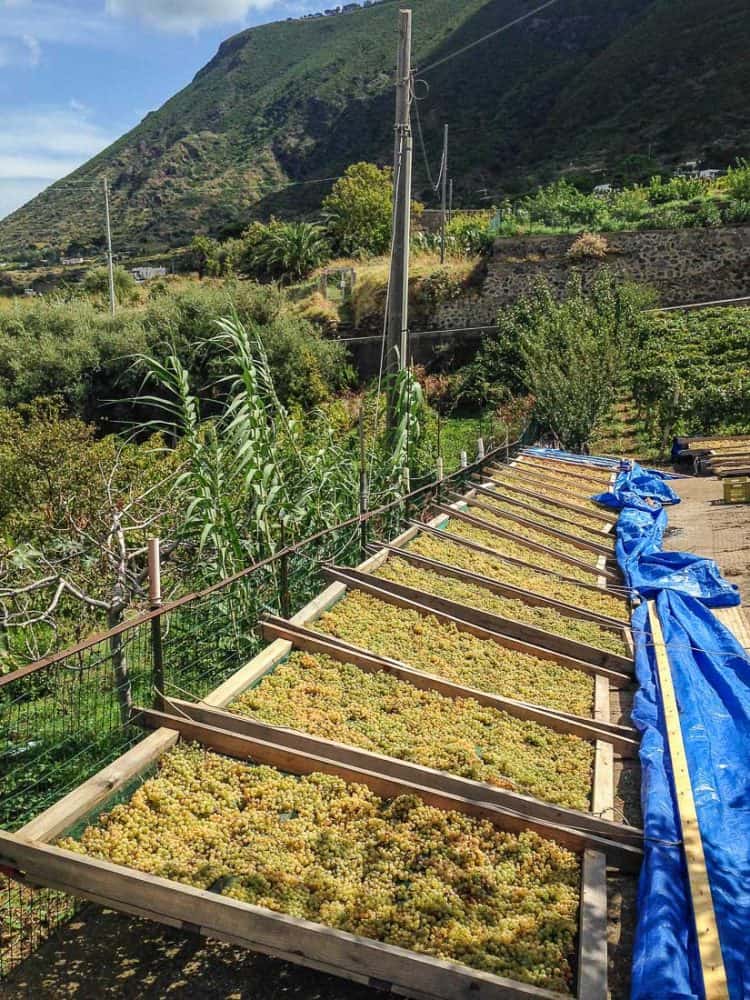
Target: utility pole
[(450, 201), (110, 264), (444, 194), (397, 345)]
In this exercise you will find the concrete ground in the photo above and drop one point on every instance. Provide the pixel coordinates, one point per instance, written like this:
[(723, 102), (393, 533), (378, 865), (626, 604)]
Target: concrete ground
[(704, 524)]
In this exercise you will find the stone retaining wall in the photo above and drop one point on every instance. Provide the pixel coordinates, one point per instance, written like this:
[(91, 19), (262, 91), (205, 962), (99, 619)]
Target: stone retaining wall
[(683, 266)]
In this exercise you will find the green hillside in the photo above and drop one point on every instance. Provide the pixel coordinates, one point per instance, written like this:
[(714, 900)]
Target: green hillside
[(583, 84)]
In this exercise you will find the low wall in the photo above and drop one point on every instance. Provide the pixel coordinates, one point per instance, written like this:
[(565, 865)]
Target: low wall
[(682, 266)]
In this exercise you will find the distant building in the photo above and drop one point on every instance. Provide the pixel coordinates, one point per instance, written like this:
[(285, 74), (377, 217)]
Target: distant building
[(602, 189), (709, 175), (73, 261), (147, 273)]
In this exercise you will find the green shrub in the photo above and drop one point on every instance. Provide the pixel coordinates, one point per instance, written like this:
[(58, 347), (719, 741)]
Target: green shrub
[(737, 181)]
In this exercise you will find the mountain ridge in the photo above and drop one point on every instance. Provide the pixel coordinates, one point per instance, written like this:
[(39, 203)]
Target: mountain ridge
[(580, 84)]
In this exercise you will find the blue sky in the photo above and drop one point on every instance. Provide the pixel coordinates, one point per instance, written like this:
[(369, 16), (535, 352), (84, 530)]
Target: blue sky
[(75, 75)]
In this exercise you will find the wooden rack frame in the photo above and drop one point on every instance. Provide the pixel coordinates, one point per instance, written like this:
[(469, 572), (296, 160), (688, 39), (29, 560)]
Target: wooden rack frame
[(528, 490), (498, 587), (582, 543), (595, 836), (504, 631), (446, 536), (534, 510), (494, 529)]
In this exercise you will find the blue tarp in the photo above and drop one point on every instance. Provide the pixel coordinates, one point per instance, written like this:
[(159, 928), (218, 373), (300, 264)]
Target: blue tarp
[(640, 495), (711, 674)]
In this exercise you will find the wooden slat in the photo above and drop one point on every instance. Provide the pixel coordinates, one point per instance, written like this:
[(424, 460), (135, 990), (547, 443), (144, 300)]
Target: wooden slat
[(563, 480), (82, 800), (592, 950), (712, 962), (535, 511), (491, 625), (343, 755), (593, 510), (504, 589), (295, 940), (493, 529), (523, 631), (318, 642), (582, 543), (275, 754), (467, 543)]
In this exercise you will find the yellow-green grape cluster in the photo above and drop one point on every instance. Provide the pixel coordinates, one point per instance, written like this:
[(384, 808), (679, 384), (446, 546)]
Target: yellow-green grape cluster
[(424, 643), (448, 551), (517, 550), (549, 486), (316, 848), (539, 517), (378, 712), (586, 521), (479, 597), (538, 535), (596, 481)]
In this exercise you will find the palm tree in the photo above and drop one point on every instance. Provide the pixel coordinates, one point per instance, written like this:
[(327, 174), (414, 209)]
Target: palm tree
[(291, 250)]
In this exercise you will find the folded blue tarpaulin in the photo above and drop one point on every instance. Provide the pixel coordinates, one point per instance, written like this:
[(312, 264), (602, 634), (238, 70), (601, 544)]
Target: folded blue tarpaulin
[(711, 675), (640, 496)]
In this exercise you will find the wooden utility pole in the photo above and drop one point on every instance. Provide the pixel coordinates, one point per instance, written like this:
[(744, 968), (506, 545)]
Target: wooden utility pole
[(397, 344), (110, 263), (444, 179)]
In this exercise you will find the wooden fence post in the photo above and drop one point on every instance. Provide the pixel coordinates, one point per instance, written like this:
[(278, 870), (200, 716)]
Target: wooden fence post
[(155, 602)]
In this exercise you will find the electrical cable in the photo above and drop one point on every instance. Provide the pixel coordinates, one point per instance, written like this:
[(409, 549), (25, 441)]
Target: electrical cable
[(491, 34)]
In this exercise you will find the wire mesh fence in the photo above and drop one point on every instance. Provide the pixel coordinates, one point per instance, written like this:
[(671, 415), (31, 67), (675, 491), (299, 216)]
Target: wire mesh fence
[(64, 718)]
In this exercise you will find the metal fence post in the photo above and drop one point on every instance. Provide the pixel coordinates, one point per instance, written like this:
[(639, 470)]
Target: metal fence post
[(155, 602)]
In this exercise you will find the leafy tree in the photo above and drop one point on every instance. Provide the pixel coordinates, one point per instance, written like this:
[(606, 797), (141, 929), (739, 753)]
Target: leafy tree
[(568, 354), (359, 209), (205, 257), (96, 283)]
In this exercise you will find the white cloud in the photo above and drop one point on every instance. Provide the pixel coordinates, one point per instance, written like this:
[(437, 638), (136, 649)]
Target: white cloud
[(47, 21), (33, 48), (41, 146), (186, 15)]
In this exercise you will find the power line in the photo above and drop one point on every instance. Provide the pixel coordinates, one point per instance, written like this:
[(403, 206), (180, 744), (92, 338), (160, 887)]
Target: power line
[(491, 34)]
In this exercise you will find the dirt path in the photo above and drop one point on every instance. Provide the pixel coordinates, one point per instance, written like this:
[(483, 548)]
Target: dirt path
[(102, 954)]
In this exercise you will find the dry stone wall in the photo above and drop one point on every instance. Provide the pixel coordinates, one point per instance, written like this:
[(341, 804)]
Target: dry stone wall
[(683, 266)]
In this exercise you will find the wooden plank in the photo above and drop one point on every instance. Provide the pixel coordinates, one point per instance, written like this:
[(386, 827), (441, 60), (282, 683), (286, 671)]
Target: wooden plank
[(712, 962), (345, 755), (427, 604), (505, 589), (592, 941), (511, 627), (82, 800), (593, 958), (566, 472), (299, 941), (559, 722), (493, 529), (550, 480), (276, 754), (534, 510), (527, 489), (448, 536), (581, 543)]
